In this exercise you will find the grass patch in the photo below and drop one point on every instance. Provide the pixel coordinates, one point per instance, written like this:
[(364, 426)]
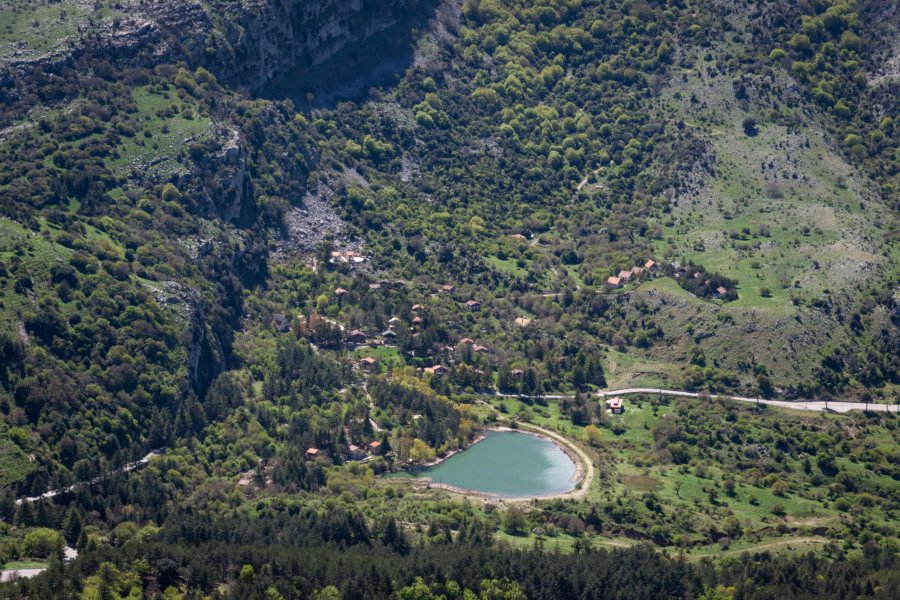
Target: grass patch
[(168, 125), (14, 463)]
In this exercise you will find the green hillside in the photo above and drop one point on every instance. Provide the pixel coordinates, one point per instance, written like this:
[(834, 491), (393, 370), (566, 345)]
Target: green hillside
[(283, 248)]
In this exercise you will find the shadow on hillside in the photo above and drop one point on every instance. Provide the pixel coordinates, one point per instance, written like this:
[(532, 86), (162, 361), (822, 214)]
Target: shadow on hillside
[(380, 61)]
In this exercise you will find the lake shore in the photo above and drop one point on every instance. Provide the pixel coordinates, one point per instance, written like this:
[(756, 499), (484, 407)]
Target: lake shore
[(581, 478)]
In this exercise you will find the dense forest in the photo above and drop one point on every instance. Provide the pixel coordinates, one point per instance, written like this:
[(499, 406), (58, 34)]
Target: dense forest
[(246, 271)]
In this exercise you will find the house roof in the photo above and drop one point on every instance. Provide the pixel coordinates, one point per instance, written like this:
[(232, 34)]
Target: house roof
[(447, 287), (721, 291), (374, 444), (340, 291), (473, 303), (416, 307), (522, 321), (650, 264), (368, 360), (312, 450), (477, 348), (614, 402), (357, 333), (637, 270), (467, 341), (612, 280), (624, 275)]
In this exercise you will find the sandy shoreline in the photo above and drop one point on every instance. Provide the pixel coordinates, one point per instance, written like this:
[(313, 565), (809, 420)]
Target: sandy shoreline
[(577, 458)]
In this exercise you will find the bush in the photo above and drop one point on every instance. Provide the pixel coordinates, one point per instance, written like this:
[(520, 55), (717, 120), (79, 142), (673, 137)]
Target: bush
[(43, 542), (749, 126)]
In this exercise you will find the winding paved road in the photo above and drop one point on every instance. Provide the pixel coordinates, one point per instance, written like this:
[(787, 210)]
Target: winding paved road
[(814, 405), (138, 464)]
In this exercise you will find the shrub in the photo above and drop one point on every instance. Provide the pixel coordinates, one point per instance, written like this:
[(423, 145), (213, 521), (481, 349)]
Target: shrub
[(43, 542)]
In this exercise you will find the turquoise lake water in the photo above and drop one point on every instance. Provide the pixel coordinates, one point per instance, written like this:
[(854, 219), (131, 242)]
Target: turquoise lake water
[(506, 464)]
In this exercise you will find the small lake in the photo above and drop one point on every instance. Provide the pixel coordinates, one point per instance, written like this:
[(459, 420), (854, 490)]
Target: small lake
[(506, 464)]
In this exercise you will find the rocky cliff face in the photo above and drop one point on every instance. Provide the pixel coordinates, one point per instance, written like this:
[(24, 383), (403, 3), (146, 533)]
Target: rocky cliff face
[(246, 43), (251, 43)]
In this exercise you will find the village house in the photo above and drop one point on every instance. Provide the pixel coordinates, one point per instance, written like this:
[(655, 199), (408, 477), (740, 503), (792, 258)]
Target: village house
[(281, 323), (613, 282), (389, 337), (448, 288), (624, 276), (651, 265), (468, 341), (523, 321), (393, 322), (357, 337), (416, 307), (312, 453), (518, 236), (354, 452), (374, 447), (477, 348), (517, 373), (436, 370), (246, 478), (721, 292), (374, 286), (615, 405), (418, 320), (473, 305), (368, 363), (635, 271), (340, 292)]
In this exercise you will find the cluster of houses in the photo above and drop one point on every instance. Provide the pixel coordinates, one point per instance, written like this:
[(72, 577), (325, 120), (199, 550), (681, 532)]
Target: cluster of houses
[(354, 452), (370, 364), (684, 272), (346, 256), (617, 281)]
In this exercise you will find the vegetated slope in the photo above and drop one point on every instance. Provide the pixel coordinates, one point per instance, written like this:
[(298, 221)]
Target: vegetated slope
[(184, 265), (140, 201), (542, 151), (137, 201), (779, 209)]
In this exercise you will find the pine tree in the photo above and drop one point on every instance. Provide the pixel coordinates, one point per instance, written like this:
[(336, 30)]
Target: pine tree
[(73, 526)]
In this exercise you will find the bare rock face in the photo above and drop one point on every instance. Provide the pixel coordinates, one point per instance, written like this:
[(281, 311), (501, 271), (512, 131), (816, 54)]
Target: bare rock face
[(246, 43), (250, 43)]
